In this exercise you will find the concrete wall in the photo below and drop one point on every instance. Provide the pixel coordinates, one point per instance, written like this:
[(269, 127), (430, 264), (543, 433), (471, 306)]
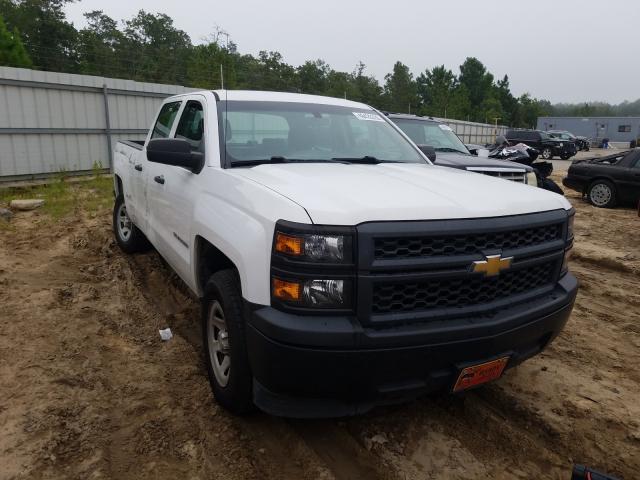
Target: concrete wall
[(55, 122), (595, 128)]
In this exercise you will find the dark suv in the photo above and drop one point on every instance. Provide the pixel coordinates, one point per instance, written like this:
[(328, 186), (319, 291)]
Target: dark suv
[(547, 145), (582, 143)]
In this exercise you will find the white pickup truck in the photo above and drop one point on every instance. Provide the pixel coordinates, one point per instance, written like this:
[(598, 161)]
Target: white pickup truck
[(338, 268)]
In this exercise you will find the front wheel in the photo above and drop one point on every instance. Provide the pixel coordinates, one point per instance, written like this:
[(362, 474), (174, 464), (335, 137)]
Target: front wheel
[(565, 156), (547, 153), (602, 194), (129, 237), (223, 334)]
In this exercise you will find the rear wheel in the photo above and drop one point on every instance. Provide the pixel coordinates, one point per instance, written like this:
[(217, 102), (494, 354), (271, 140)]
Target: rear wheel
[(223, 333), (128, 236), (547, 153), (564, 156), (602, 194)]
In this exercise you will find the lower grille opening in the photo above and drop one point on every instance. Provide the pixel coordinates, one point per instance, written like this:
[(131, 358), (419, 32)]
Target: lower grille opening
[(459, 292)]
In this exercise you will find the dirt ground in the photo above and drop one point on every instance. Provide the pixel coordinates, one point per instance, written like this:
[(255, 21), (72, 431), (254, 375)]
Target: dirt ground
[(88, 390)]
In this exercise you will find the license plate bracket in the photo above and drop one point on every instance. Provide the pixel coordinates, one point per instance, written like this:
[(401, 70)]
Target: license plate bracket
[(479, 374)]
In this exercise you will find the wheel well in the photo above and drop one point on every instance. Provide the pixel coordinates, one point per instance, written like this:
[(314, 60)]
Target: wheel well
[(209, 261), (594, 180), (119, 189)]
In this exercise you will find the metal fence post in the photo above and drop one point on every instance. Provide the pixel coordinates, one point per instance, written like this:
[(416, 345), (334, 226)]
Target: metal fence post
[(107, 119)]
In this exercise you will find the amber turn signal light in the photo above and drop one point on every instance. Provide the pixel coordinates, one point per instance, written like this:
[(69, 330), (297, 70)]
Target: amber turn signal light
[(286, 291), (289, 244)]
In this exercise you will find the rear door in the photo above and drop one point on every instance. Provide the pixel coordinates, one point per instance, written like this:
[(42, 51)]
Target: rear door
[(143, 168)]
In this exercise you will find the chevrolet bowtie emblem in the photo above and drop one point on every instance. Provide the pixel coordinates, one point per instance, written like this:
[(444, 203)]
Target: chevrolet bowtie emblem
[(492, 266)]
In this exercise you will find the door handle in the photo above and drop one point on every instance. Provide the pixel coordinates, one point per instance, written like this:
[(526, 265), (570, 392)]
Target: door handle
[(138, 167), (159, 179)]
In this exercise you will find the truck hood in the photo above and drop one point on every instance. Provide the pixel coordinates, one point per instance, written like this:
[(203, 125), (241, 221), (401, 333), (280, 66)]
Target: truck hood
[(456, 160), (339, 194)]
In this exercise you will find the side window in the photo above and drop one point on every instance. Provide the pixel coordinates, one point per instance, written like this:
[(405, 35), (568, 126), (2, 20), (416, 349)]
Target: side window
[(166, 117), (191, 125)]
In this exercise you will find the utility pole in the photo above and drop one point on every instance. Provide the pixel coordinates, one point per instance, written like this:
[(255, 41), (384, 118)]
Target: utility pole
[(221, 78), (496, 127)]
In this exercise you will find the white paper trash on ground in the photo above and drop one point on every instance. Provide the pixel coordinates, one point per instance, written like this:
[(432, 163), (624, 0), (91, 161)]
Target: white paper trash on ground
[(166, 334)]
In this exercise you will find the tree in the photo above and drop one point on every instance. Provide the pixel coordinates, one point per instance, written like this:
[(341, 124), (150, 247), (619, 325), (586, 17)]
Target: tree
[(436, 89), (508, 102), (49, 39), (100, 47), (312, 77), (12, 51), (400, 90), (368, 90), (157, 51), (474, 76)]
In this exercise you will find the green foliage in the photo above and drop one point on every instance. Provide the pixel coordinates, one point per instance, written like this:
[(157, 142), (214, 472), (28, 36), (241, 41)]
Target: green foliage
[(400, 90), (12, 51), (49, 39), (64, 196)]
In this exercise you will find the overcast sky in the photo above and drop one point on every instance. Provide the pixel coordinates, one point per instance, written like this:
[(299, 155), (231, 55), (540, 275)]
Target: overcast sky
[(561, 50)]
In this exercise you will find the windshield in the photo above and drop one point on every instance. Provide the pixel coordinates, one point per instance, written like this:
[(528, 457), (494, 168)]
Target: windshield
[(270, 132), (437, 135)]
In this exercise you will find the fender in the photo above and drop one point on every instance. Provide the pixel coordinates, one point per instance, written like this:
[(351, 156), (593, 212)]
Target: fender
[(236, 215)]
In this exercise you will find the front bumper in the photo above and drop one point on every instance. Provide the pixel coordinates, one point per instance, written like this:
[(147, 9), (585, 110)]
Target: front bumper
[(331, 366)]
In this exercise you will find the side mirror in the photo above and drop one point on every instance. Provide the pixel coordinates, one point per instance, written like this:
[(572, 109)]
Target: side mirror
[(429, 151), (176, 152)]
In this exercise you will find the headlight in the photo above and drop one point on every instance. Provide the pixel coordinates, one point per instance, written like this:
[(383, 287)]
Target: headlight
[(316, 293), (313, 268), (532, 179), (314, 247)]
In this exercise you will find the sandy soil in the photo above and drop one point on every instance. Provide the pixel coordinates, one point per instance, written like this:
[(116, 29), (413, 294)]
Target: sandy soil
[(88, 390)]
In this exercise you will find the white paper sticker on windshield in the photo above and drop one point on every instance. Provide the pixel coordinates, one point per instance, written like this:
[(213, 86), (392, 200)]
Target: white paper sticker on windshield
[(446, 128), (372, 117)]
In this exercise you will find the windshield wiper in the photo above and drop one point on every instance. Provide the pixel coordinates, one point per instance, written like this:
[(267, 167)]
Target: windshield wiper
[(367, 160), (260, 161), (276, 159), (449, 149)]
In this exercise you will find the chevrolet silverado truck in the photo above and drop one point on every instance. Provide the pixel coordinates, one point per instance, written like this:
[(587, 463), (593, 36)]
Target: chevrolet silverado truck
[(338, 269)]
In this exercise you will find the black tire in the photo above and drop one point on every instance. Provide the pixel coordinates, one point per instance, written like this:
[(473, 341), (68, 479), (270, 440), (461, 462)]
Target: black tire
[(547, 153), (565, 157), (235, 393), (602, 194), (129, 237)]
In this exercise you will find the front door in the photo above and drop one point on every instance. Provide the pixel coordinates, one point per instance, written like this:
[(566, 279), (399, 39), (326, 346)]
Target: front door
[(172, 191)]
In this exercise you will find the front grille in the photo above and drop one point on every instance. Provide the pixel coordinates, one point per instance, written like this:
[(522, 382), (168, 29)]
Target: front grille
[(459, 292), (464, 244), (513, 176)]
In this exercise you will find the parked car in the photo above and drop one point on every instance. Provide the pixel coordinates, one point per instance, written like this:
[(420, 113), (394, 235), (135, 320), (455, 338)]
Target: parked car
[(337, 267), (443, 147), (582, 143), (607, 181), (547, 145)]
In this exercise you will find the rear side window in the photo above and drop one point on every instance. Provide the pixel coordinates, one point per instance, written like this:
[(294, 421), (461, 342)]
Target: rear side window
[(191, 125), (166, 117)]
